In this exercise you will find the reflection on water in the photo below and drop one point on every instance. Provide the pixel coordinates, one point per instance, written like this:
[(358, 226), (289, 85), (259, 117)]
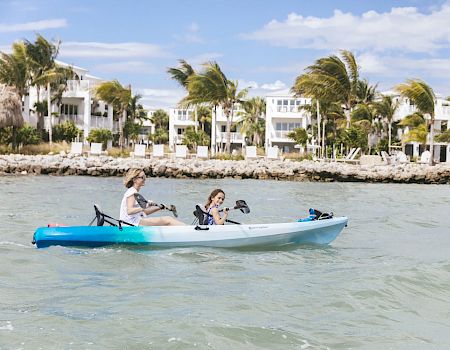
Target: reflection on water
[(384, 283)]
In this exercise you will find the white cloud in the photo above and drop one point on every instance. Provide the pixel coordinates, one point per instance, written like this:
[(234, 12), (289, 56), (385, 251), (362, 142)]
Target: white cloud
[(114, 50), (402, 28), (197, 61), (277, 85), (33, 26), (191, 36), (127, 66), (247, 84), (161, 98)]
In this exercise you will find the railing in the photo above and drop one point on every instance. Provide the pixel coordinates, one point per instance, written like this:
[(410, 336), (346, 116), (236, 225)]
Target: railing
[(288, 109), (77, 119), (184, 118), (77, 85), (281, 134), (234, 136), (98, 122)]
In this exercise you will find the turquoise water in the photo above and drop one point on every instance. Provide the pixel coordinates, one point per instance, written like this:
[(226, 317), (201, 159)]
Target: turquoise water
[(383, 284)]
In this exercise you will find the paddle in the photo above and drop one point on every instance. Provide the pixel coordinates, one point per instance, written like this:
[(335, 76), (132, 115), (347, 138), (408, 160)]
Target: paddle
[(241, 205), (143, 203)]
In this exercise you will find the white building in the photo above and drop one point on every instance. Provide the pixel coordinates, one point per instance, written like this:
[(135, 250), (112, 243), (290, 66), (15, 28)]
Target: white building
[(78, 105), (179, 120), (219, 131), (283, 114), (441, 123)]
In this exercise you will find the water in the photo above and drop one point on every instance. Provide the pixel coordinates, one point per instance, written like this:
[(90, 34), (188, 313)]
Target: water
[(383, 284)]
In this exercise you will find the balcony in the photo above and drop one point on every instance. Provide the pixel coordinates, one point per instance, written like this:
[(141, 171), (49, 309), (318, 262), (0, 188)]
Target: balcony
[(288, 109), (98, 122), (281, 135), (74, 86), (234, 137)]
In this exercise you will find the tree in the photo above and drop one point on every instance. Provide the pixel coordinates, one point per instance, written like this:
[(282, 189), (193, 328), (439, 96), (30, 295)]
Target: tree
[(299, 135), (253, 119), (204, 118), (161, 121), (212, 87), (13, 69), (331, 79), (386, 108), (41, 55), (423, 97), (113, 93), (193, 138), (100, 136)]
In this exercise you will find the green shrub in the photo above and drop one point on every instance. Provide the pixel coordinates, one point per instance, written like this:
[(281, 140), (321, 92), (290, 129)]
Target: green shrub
[(66, 131), (100, 136), (27, 135)]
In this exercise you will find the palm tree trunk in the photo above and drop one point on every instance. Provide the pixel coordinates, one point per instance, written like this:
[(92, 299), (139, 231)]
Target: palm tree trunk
[(347, 117), (49, 112), (195, 118), (323, 138), (121, 120), (228, 143), (389, 136), (318, 122), (432, 140)]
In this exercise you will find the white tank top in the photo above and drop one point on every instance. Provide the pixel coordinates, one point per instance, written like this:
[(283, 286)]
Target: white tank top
[(132, 219)]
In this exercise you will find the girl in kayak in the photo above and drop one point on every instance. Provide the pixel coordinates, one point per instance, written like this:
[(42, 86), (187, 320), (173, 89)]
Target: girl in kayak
[(216, 199), (131, 212)]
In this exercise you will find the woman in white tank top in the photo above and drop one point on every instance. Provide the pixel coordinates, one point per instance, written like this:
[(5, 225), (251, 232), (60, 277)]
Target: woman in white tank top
[(131, 212)]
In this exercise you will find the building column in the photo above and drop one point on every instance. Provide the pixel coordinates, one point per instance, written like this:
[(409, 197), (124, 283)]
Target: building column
[(86, 116), (110, 124), (171, 131), (213, 132)]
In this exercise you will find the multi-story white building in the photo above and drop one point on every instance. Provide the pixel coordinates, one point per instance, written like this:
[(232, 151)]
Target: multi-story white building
[(78, 105), (219, 131), (179, 120), (283, 114), (441, 123)]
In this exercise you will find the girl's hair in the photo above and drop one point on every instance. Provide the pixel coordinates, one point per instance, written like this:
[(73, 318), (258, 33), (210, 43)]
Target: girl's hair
[(130, 176), (212, 195)]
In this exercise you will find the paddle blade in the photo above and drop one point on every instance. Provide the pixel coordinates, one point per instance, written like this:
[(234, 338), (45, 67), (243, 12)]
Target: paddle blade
[(173, 209), (141, 200), (242, 206)]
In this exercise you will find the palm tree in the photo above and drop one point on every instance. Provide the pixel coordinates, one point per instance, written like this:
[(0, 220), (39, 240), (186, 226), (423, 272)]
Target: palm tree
[(387, 108), (13, 69), (423, 97), (204, 117), (41, 56), (182, 75), (161, 121), (212, 87), (252, 116), (112, 92), (331, 79)]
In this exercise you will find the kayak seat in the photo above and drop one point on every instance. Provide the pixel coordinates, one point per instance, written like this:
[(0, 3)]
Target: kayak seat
[(315, 214), (201, 214)]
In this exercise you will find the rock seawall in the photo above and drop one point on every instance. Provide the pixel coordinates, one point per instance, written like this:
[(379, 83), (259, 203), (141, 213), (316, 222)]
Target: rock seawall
[(248, 169)]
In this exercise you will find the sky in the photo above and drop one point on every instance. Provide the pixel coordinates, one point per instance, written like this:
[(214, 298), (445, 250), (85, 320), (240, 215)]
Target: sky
[(263, 45)]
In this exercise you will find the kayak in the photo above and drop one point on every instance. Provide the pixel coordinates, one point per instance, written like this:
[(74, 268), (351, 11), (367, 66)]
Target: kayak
[(224, 236)]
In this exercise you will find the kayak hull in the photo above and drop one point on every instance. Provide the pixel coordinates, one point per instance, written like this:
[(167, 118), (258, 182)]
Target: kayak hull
[(224, 236)]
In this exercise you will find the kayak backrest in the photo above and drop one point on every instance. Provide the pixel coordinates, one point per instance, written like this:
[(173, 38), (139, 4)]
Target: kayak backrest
[(201, 214)]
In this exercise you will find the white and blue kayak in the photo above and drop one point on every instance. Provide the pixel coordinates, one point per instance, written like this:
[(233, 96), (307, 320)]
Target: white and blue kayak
[(224, 236)]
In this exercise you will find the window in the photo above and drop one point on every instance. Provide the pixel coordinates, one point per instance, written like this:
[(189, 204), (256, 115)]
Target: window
[(223, 128)]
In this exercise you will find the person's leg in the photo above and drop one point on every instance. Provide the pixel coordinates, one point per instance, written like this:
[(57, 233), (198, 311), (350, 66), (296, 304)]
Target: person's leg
[(161, 221)]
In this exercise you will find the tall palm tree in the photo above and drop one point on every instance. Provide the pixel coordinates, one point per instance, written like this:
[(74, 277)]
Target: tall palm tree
[(204, 117), (212, 87), (13, 69), (181, 75), (253, 114), (423, 97), (331, 79), (41, 55), (386, 108), (112, 92)]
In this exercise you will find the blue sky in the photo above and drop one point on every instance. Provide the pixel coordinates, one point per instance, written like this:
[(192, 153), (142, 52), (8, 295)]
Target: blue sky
[(262, 44)]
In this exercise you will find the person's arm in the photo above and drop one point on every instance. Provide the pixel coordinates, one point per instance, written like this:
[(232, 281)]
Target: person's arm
[(131, 209), (217, 219)]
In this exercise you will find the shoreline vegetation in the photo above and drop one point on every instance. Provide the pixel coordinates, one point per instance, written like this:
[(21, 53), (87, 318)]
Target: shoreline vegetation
[(306, 170)]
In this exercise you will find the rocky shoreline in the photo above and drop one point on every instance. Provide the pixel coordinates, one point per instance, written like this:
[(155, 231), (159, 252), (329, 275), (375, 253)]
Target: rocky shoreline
[(248, 169)]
